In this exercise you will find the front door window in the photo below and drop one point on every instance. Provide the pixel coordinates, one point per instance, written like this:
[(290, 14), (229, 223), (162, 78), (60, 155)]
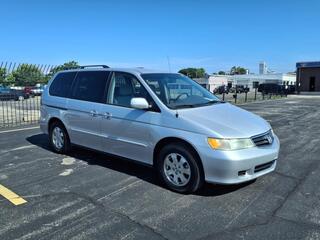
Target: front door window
[(123, 87)]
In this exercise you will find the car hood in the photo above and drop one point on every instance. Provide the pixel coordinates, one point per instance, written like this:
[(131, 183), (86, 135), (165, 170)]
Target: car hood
[(224, 120)]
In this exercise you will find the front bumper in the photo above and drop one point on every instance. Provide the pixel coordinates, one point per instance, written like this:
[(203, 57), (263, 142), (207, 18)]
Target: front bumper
[(232, 167)]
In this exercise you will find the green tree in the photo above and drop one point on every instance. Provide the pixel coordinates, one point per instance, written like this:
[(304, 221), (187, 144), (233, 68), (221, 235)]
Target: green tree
[(27, 75), (3, 73), (65, 66), (9, 80), (193, 72), (238, 70), (222, 73)]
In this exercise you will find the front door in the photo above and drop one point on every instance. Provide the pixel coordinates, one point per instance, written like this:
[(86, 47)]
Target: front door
[(312, 84), (127, 132)]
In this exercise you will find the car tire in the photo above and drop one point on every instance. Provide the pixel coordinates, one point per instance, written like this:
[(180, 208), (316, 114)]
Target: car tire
[(186, 174), (59, 138)]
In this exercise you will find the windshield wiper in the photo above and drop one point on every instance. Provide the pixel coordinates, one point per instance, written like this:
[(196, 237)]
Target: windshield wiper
[(197, 105), (208, 103), (213, 102), (184, 106)]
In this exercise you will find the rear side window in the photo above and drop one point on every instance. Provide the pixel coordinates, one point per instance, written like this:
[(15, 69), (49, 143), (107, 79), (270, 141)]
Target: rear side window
[(90, 86), (61, 85)]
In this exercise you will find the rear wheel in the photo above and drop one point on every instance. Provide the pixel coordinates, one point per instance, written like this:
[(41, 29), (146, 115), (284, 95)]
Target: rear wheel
[(179, 169), (59, 138)]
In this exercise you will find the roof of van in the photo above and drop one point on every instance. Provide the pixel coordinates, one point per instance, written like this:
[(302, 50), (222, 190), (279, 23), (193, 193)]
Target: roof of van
[(129, 70)]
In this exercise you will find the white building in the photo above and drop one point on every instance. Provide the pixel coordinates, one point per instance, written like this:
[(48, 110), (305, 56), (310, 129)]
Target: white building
[(263, 68), (215, 81), (278, 78)]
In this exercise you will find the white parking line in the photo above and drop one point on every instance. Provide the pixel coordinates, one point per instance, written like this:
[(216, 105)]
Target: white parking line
[(18, 148), (120, 190), (17, 130)]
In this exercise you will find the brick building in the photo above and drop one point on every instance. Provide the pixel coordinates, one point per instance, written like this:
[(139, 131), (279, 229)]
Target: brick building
[(308, 77)]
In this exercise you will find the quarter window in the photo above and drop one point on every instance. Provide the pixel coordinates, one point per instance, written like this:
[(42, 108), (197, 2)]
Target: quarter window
[(61, 85), (90, 86)]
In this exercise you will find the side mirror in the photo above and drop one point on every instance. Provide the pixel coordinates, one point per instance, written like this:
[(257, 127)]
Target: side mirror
[(139, 103)]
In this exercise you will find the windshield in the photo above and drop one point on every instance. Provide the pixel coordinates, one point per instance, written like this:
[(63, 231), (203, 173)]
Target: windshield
[(178, 91)]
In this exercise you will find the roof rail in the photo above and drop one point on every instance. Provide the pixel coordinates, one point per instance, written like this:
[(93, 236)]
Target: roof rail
[(88, 66)]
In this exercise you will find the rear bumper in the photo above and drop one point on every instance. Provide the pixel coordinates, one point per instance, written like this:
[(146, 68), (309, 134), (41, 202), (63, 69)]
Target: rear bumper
[(43, 120), (232, 167)]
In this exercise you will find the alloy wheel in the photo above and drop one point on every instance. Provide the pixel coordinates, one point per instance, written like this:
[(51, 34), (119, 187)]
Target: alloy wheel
[(58, 138), (177, 169)]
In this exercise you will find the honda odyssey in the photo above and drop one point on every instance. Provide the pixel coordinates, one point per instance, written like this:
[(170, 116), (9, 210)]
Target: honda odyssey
[(162, 119)]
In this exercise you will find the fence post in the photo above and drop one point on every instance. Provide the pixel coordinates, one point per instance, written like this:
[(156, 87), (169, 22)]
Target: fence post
[(235, 97)]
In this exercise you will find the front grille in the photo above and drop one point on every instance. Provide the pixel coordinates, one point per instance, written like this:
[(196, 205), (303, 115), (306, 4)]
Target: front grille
[(263, 166), (263, 139)]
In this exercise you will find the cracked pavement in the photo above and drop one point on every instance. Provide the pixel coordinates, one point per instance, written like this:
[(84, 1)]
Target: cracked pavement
[(89, 195)]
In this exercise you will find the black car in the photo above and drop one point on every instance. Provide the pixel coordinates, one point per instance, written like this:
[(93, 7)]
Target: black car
[(13, 94), (239, 89), (290, 89), (272, 88), (221, 90)]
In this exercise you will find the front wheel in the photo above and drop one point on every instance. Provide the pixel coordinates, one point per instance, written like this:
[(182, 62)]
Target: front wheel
[(20, 98), (179, 169)]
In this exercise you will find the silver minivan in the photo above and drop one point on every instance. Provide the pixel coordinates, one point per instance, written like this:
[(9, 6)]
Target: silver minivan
[(156, 118)]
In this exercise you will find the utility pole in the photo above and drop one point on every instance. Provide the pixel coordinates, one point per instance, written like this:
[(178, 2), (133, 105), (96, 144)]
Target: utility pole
[(169, 65)]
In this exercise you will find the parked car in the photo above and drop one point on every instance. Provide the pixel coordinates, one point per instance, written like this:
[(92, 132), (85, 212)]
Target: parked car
[(290, 89), (239, 89), (4, 89), (37, 91), (28, 90), (271, 88), (221, 89), (13, 94), (165, 120)]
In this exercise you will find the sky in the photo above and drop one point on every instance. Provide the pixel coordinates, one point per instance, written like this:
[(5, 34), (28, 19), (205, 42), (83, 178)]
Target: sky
[(162, 34)]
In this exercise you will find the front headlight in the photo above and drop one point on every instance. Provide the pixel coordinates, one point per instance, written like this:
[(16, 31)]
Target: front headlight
[(230, 144)]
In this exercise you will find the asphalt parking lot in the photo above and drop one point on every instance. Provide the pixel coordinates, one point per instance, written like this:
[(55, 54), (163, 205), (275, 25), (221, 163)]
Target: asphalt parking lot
[(89, 195)]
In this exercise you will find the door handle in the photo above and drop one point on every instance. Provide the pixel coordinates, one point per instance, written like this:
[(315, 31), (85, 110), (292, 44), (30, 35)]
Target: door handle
[(107, 115), (93, 113)]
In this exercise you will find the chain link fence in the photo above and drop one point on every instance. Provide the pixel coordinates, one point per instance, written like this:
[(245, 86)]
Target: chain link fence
[(252, 96), (21, 86), (19, 112)]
